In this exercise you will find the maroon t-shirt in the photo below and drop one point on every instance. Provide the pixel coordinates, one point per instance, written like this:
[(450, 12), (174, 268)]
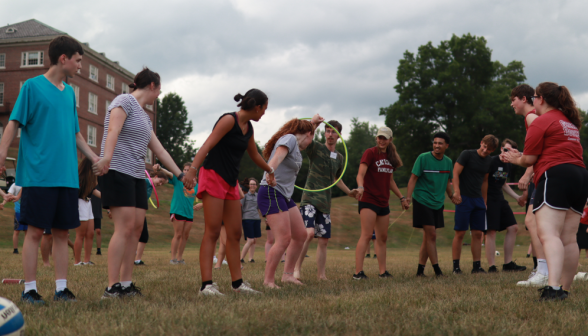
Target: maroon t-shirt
[(376, 182)]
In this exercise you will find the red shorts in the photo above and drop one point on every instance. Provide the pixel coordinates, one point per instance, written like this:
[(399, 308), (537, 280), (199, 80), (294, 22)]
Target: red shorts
[(213, 184)]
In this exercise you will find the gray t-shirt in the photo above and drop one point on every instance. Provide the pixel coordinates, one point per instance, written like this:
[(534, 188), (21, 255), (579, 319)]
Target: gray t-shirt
[(287, 170), (474, 169), (249, 206)]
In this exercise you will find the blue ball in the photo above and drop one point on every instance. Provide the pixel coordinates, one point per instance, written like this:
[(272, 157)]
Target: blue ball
[(11, 319)]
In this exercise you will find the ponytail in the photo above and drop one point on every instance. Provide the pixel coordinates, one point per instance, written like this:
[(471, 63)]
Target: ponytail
[(393, 156), (252, 98), (560, 98)]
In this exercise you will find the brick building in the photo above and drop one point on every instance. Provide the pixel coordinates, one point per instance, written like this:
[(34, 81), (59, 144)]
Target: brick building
[(24, 54)]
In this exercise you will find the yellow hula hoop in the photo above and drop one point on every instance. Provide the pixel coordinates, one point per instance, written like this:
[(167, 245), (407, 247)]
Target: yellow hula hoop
[(344, 167), (150, 200)]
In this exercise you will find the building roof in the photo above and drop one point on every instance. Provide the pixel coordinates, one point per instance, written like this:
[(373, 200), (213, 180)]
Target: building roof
[(29, 28)]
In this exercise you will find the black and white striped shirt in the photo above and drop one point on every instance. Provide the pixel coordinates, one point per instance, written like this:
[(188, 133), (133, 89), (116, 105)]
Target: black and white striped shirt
[(131, 147)]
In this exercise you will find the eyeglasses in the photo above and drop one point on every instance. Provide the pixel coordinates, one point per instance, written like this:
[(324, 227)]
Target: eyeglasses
[(533, 98)]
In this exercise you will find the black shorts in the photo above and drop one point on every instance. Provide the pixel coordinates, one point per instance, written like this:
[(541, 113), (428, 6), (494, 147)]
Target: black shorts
[(499, 215), (378, 210), (144, 234), (97, 223), (562, 187), (180, 218), (530, 194), (423, 215), (582, 237), (122, 190), (50, 207), (251, 228)]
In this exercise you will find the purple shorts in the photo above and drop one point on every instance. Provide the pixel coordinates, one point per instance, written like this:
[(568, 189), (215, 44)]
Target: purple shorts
[(270, 201)]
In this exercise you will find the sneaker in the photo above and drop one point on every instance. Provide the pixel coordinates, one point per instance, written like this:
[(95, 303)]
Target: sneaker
[(211, 290), (32, 297), (375, 256), (581, 276), (139, 263), (15, 251), (533, 272), (528, 255), (368, 255), (307, 256), (385, 275), (538, 280), (252, 260), (116, 291), (513, 267), (132, 290), (457, 271), (360, 276), (181, 262), (225, 262), (245, 288), (550, 294), (98, 252), (242, 261), (173, 262), (64, 295), (81, 263), (89, 263), (214, 260), (493, 269), (479, 270)]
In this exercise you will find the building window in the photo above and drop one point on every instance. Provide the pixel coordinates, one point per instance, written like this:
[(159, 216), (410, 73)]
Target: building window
[(91, 136), (92, 103), (149, 156), (2, 61), (32, 59), (149, 107), (93, 73), (110, 82), (77, 93), (18, 132), (125, 88), (108, 102), (1, 94)]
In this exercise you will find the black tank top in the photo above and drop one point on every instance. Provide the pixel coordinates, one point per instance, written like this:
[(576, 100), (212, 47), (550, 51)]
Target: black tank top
[(225, 157)]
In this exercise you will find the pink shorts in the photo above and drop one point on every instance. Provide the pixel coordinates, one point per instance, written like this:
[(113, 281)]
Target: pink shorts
[(213, 184)]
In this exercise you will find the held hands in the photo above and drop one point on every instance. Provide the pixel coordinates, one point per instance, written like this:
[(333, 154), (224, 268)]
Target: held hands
[(521, 201), (271, 180), (405, 204), (198, 206), (359, 194), (190, 179), (352, 193), (524, 182), (456, 198), (510, 156), (156, 167), (100, 166)]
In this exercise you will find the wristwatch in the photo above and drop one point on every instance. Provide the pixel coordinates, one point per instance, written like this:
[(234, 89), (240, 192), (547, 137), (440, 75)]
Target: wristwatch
[(181, 176)]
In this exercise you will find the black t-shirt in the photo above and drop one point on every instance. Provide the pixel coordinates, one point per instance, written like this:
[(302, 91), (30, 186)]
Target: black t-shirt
[(498, 174), (475, 168)]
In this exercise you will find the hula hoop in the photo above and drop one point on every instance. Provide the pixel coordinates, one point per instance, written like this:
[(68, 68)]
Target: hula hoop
[(344, 167), (154, 191)]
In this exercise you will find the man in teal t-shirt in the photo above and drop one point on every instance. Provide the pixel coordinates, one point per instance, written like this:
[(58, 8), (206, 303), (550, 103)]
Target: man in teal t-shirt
[(430, 180), (47, 168)]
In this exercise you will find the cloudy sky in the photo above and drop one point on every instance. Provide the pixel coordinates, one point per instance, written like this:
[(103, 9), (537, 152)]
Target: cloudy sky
[(337, 58)]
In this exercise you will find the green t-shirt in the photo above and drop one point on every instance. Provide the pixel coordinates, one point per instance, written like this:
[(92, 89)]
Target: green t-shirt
[(325, 168), (183, 199), (433, 176)]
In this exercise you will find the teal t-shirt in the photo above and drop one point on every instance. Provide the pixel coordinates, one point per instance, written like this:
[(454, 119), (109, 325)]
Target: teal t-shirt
[(433, 176), (47, 153), (183, 200), (149, 187)]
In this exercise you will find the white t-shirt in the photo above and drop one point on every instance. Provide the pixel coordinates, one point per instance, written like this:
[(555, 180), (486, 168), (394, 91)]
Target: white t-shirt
[(14, 189)]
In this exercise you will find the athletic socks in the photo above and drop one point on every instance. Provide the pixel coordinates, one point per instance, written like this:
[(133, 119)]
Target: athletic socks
[(556, 288), (29, 286), (205, 283), (477, 265), (60, 285), (421, 269), (237, 283), (437, 269), (456, 264), (534, 262), (137, 261), (125, 284), (542, 267)]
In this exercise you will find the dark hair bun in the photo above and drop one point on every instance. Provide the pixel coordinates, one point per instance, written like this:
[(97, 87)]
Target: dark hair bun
[(252, 98), (238, 97), (133, 86)]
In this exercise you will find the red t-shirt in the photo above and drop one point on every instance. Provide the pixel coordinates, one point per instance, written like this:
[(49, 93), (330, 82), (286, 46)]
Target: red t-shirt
[(555, 140), (584, 219), (526, 115), (376, 182)]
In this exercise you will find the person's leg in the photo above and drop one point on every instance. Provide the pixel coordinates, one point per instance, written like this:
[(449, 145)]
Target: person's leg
[(457, 244), (128, 263), (46, 246), (509, 242), (99, 239), (477, 244), (269, 243), (185, 236), (298, 235), (280, 228), (15, 240), (368, 222), (124, 227), (550, 225), (530, 250), (213, 217), (79, 242), (367, 250), (490, 247), (222, 247), (140, 250), (30, 250), (252, 249), (233, 227), (303, 252), (321, 258), (423, 255), (246, 247), (571, 251), (381, 239), (176, 240), (60, 252), (531, 224), (430, 241), (89, 239)]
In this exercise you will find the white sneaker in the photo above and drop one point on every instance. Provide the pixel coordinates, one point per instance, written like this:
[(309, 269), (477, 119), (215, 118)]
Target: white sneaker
[(214, 260), (211, 290), (533, 272), (225, 262), (245, 288), (538, 280), (173, 262), (581, 276), (81, 263)]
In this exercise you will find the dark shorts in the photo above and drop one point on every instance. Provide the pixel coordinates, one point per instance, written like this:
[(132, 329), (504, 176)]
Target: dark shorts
[(50, 207), (122, 190), (17, 225), (562, 187), (423, 215), (270, 201), (499, 215), (320, 222), (582, 237), (144, 234), (251, 228), (378, 210), (470, 214), (97, 223), (180, 218), (530, 194), (374, 235)]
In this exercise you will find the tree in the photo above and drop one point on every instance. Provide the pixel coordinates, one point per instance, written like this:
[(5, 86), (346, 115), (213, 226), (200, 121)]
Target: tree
[(174, 128), (455, 88)]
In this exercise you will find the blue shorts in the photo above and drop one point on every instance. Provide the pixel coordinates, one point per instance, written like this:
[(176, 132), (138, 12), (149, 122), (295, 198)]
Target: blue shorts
[(470, 214), (17, 225), (270, 201), (50, 207), (251, 228), (320, 222)]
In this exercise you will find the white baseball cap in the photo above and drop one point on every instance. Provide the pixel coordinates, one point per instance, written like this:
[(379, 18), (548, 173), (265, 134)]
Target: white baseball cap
[(385, 132)]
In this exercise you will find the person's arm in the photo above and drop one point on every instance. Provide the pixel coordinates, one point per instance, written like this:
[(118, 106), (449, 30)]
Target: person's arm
[(411, 184), (360, 178), (279, 156), (449, 191), (9, 133), (259, 161), (157, 168), (18, 196), (485, 189), (83, 146), (514, 156), (526, 178), (341, 185), (97, 193), (117, 120), (164, 156), (457, 169), (508, 190), (396, 191)]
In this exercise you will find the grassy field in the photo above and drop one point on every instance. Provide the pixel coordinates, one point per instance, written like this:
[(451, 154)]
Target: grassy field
[(404, 305)]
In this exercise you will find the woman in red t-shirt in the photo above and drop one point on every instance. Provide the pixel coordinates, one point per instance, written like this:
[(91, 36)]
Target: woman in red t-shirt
[(553, 147), (374, 181)]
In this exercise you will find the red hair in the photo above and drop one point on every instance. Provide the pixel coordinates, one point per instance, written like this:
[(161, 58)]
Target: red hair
[(294, 126)]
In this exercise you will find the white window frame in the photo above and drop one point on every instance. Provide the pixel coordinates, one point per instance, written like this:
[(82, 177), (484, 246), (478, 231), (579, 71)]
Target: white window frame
[(108, 102), (76, 93), (2, 61), (92, 75), (1, 94), (92, 101), (149, 107), (110, 82), (149, 156), (125, 88), (24, 61), (91, 136), (18, 132)]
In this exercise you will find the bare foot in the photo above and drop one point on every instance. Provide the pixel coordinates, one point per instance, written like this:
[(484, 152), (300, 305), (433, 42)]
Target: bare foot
[(46, 265), (297, 274), (271, 285), (323, 278), (291, 279)]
